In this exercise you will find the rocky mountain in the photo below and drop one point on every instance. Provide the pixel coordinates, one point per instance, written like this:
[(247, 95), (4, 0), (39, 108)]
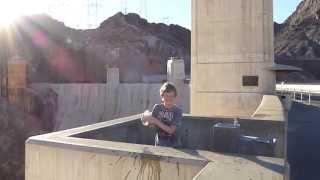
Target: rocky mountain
[(61, 54), (297, 40), (134, 45), (299, 35)]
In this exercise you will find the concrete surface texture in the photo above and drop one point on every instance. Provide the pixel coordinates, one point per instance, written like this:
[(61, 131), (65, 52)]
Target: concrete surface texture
[(69, 164), (241, 168), (230, 40), (271, 108), (83, 104), (176, 75), (72, 157), (198, 133), (113, 76)]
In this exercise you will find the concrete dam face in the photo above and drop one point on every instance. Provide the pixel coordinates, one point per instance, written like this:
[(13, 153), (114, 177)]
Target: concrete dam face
[(232, 48)]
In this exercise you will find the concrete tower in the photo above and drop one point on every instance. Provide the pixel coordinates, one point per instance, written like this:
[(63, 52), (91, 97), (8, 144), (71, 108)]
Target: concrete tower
[(232, 50), (176, 75)]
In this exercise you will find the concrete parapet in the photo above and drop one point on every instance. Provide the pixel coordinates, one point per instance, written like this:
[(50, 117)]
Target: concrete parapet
[(111, 150)]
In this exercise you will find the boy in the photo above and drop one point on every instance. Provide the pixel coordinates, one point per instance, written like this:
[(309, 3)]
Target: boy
[(166, 117)]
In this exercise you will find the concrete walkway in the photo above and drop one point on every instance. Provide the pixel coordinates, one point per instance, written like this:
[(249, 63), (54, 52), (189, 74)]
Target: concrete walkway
[(230, 167)]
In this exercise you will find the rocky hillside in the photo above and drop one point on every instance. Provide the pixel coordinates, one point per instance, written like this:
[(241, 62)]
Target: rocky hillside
[(299, 36), (61, 54), (137, 47), (297, 41)]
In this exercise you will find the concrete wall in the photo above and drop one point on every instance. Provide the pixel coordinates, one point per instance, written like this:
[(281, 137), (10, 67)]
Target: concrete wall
[(83, 104), (230, 39), (54, 163), (86, 152), (195, 132)]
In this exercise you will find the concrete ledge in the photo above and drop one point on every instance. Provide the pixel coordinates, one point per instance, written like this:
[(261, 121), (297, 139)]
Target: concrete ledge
[(241, 168), (76, 146), (120, 149)]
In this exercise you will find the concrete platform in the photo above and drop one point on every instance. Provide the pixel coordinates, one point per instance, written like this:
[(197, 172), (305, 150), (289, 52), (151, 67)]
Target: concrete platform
[(230, 167), (75, 154)]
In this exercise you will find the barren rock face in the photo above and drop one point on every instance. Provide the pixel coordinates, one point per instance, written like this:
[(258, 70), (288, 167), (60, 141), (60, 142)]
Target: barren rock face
[(297, 42), (61, 54), (137, 47), (299, 36)]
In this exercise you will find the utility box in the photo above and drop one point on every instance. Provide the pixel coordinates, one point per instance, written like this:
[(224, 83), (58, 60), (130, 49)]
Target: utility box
[(226, 137)]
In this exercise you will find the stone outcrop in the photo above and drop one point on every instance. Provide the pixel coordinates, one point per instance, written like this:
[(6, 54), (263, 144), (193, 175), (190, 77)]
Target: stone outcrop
[(299, 36), (61, 54), (297, 41)]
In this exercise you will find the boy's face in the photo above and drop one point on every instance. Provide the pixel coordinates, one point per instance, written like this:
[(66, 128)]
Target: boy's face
[(168, 99)]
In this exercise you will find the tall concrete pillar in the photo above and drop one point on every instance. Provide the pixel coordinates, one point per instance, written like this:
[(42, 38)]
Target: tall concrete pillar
[(232, 48), (175, 70), (113, 76), (112, 93), (176, 75)]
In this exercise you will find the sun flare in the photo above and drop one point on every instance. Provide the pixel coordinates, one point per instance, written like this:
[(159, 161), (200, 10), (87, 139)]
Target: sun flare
[(7, 20), (8, 13), (11, 10)]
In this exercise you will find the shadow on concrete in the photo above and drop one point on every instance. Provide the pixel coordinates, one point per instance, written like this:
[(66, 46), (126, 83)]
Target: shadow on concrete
[(191, 152), (269, 165), (266, 164), (259, 161), (304, 141)]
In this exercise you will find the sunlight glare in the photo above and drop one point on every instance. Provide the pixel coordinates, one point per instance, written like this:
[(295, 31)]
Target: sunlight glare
[(11, 10), (8, 13)]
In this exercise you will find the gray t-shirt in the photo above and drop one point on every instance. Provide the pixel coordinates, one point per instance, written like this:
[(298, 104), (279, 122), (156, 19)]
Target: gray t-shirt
[(171, 116)]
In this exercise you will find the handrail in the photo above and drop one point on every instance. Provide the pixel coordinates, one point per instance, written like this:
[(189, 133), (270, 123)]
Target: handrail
[(299, 90)]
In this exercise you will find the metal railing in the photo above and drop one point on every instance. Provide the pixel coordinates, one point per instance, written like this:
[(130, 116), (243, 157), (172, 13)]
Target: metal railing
[(299, 92)]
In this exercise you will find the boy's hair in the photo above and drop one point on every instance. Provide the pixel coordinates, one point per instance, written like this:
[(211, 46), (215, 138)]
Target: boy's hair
[(168, 87)]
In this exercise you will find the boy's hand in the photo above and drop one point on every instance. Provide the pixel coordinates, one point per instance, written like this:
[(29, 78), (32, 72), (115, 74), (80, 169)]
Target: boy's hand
[(161, 125), (151, 120), (155, 122)]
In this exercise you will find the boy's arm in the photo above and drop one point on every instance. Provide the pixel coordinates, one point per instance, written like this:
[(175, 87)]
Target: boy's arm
[(168, 129)]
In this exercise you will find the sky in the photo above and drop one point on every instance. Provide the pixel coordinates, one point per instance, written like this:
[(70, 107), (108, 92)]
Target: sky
[(283, 8), (76, 14)]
